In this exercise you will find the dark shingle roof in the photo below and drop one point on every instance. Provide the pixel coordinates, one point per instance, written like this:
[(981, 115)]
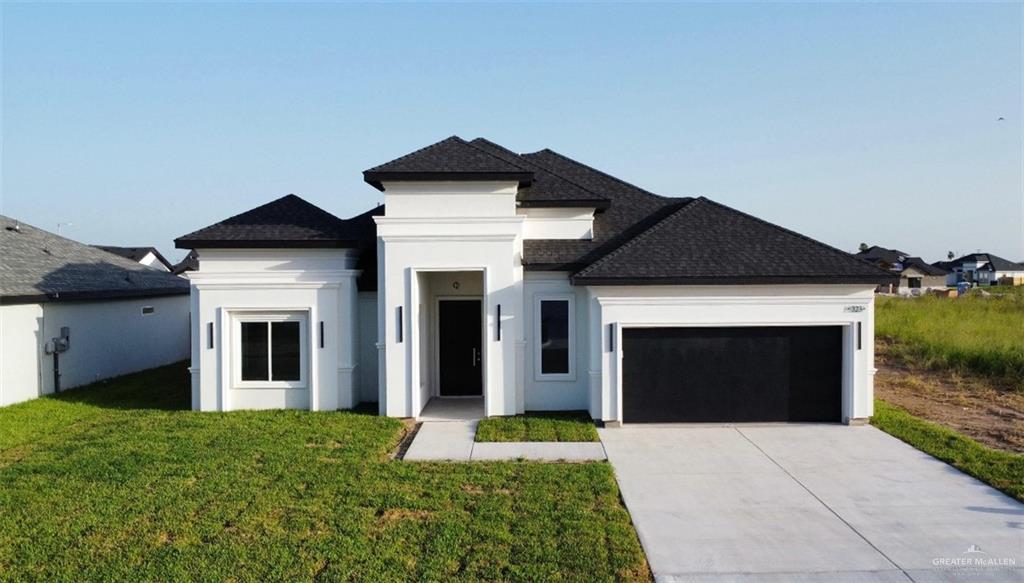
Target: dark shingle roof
[(923, 266), (704, 242), (39, 266), (638, 236), (876, 254), (189, 263), (136, 253), (449, 159), (998, 263), (887, 258), (284, 223), (632, 210), (547, 189)]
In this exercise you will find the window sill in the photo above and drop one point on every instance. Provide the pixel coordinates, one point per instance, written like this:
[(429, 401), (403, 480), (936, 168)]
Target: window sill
[(268, 385)]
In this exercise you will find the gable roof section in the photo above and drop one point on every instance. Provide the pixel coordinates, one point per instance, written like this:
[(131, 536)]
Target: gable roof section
[(887, 258), (136, 253), (632, 210), (923, 266), (998, 263), (705, 242), (450, 159), (288, 222), (876, 253), (38, 266), (547, 189)]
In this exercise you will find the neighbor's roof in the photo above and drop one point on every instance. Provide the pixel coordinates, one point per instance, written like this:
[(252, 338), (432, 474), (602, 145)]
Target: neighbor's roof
[(923, 266), (704, 242), (998, 263), (876, 254), (136, 253), (286, 222), (189, 263), (39, 266)]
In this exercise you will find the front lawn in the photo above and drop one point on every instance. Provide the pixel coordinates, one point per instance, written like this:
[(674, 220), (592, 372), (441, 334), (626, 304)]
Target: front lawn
[(999, 469), (538, 426), (119, 482)]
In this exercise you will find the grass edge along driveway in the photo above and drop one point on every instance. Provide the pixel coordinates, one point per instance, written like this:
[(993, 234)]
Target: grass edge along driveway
[(1002, 470), (119, 481)]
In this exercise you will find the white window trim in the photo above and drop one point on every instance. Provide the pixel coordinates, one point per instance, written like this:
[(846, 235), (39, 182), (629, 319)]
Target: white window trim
[(538, 373), (267, 317)]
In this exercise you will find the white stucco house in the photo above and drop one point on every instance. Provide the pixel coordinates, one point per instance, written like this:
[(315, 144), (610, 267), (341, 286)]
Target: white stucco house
[(984, 269), (72, 314), (528, 282)]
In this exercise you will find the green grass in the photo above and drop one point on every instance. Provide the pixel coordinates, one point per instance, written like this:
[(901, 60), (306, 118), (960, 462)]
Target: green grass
[(980, 334), (1001, 470), (119, 482), (539, 426)]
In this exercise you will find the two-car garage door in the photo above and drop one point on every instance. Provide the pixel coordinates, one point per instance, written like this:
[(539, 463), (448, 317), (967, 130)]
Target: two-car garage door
[(732, 374)]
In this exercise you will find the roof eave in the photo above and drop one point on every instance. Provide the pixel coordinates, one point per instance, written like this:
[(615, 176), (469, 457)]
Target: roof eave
[(596, 204), (91, 295), (182, 243), (747, 280), (377, 178)]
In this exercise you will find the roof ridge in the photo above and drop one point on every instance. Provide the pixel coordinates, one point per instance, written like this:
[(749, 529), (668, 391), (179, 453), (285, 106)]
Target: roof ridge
[(414, 152), (266, 204), (542, 167), (799, 235), (22, 223), (688, 204), (476, 148), (602, 173)]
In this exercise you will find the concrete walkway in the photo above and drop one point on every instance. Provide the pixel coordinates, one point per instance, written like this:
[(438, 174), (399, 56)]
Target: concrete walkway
[(808, 503), (453, 441)]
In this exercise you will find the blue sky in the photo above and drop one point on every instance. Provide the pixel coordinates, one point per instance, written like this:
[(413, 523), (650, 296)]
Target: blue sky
[(847, 122)]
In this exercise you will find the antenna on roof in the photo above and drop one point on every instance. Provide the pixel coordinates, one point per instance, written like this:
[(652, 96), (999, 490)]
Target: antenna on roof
[(60, 227)]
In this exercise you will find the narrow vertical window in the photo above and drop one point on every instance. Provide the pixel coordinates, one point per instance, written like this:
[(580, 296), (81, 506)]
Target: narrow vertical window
[(254, 352), (554, 337), (284, 351)]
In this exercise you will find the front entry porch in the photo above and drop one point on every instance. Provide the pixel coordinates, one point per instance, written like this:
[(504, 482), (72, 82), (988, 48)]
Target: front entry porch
[(453, 409)]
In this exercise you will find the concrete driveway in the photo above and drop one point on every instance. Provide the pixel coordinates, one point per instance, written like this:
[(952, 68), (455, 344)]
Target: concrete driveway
[(809, 503)]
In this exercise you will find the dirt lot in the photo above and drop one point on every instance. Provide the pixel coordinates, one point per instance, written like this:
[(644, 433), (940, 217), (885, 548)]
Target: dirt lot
[(981, 408)]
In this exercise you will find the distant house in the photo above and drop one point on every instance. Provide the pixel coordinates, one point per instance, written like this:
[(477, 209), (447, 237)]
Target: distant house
[(71, 314), (189, 263), (984, 269), (147, 256), (916, 275)]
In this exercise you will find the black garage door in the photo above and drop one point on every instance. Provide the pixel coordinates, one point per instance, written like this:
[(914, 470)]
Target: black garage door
[(732, 374)]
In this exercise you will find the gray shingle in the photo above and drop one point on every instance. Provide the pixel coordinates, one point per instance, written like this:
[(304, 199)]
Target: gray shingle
[(39, 266)]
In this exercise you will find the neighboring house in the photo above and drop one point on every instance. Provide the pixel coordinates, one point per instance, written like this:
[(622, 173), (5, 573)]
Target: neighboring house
[(531, 282), (915, 275), (985, 269), (71, 314), (189, 263), (147, 256)]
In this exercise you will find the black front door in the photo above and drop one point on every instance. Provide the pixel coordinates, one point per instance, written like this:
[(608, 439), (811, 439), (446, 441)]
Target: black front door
[(459, 342)]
